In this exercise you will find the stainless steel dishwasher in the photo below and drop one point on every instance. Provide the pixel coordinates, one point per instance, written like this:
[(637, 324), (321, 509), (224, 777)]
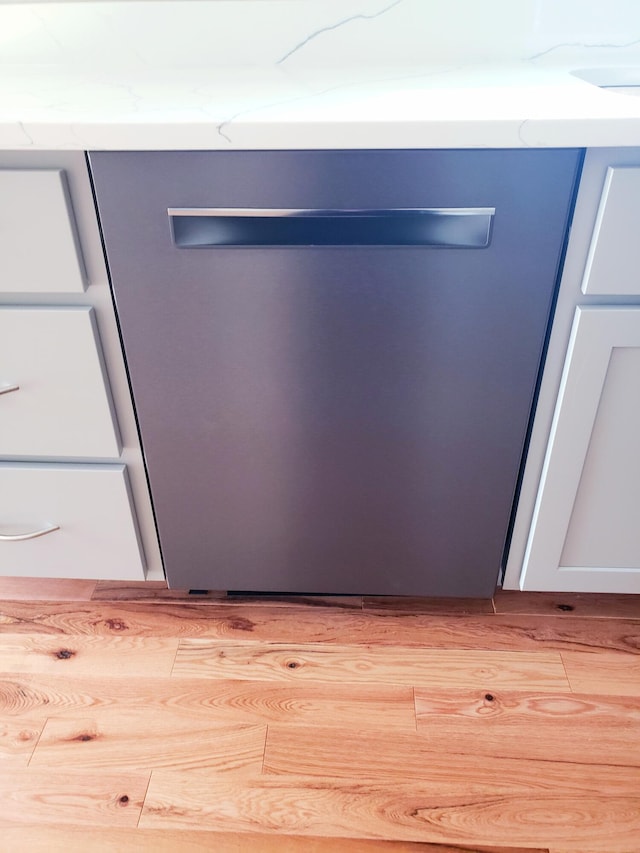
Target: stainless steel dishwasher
[(333, 356)]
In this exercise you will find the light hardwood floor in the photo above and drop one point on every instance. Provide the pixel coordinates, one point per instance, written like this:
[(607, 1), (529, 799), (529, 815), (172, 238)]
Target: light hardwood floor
[(137, 718)]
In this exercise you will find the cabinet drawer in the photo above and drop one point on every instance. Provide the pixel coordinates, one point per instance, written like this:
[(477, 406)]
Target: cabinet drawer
[(614, 255), (39, 249), (53, 395), (96, 535)]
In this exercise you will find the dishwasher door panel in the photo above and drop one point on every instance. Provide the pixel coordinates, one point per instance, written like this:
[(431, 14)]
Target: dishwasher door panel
[(335, 419)]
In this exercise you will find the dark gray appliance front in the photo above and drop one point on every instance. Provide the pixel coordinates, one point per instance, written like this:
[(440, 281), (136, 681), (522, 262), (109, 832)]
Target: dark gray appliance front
[(333, 418)]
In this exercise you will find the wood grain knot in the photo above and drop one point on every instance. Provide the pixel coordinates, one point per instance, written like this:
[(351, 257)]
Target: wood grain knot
[(116, 625), (84, 737), (124, 800), (566, 608), (240, 624), (489, 697), (293, 664), (64, 654)]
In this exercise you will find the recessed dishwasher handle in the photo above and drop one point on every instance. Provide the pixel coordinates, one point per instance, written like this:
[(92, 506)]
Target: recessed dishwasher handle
[(453, 227)]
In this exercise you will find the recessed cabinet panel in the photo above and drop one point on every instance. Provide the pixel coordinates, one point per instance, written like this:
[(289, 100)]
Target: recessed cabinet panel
[(38, 244), (73, 521), (54, 400), (585, 534), (613, 263), (604, 529)]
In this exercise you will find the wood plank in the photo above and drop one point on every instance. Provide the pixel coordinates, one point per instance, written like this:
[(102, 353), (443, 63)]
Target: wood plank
[(427, 606), (580, 848), (568, 604), (321, 625), (49, 839), (137, 740), (230, 702), (531, 725), (395, 811), (150, 592), (424, 667), (607, 674), (394, 757), (115, 590), (86, 655), (18, 738), (45, 589), (82, 799), (155, 591)]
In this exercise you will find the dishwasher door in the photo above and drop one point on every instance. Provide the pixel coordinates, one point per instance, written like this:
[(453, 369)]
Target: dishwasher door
[(329, 403)]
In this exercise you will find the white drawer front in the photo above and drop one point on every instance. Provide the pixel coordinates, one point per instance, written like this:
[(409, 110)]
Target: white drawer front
[(613, 263), (61, 406), (96, 535), (39, 250)]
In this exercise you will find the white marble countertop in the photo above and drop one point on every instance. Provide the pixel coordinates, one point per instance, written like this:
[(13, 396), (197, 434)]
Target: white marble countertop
[(239, 108), (59, 92)]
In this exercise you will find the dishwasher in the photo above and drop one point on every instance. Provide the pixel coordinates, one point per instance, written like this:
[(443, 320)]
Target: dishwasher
[(333, 356)]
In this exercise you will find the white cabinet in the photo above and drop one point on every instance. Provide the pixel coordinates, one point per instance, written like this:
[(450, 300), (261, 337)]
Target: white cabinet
[(55, 400), (74, 501), (72, 521), (586, 526), (613, 263), (577, 527), (39, 246)]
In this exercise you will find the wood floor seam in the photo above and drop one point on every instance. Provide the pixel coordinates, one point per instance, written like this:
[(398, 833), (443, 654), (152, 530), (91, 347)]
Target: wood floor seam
[(566, 674), (38, 739), (144, 798), (175, 658), (264, 751)]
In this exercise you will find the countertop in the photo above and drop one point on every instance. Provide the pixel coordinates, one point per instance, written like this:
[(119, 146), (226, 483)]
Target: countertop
[(317, 74), (239, 108)]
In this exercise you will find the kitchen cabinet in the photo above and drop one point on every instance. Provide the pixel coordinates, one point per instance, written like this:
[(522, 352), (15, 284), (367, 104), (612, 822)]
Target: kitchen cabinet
[(73, 495), (38, 239), (584, 531), (59, 404), (613, 262), (66, 520), (575, 526)]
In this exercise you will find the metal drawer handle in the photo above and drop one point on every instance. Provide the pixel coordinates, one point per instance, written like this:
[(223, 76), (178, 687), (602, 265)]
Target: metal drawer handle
[(451, 227), (21, 537), (7, 389)]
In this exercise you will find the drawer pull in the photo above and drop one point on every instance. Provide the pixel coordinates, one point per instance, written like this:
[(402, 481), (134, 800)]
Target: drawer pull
[(7, 389), (444, 227), (21, 537)]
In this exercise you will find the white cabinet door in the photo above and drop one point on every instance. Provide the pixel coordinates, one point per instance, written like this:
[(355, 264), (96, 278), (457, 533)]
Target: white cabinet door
[(39, 249), (585, 534), (613, 262), (67, 521), (54, 400)]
